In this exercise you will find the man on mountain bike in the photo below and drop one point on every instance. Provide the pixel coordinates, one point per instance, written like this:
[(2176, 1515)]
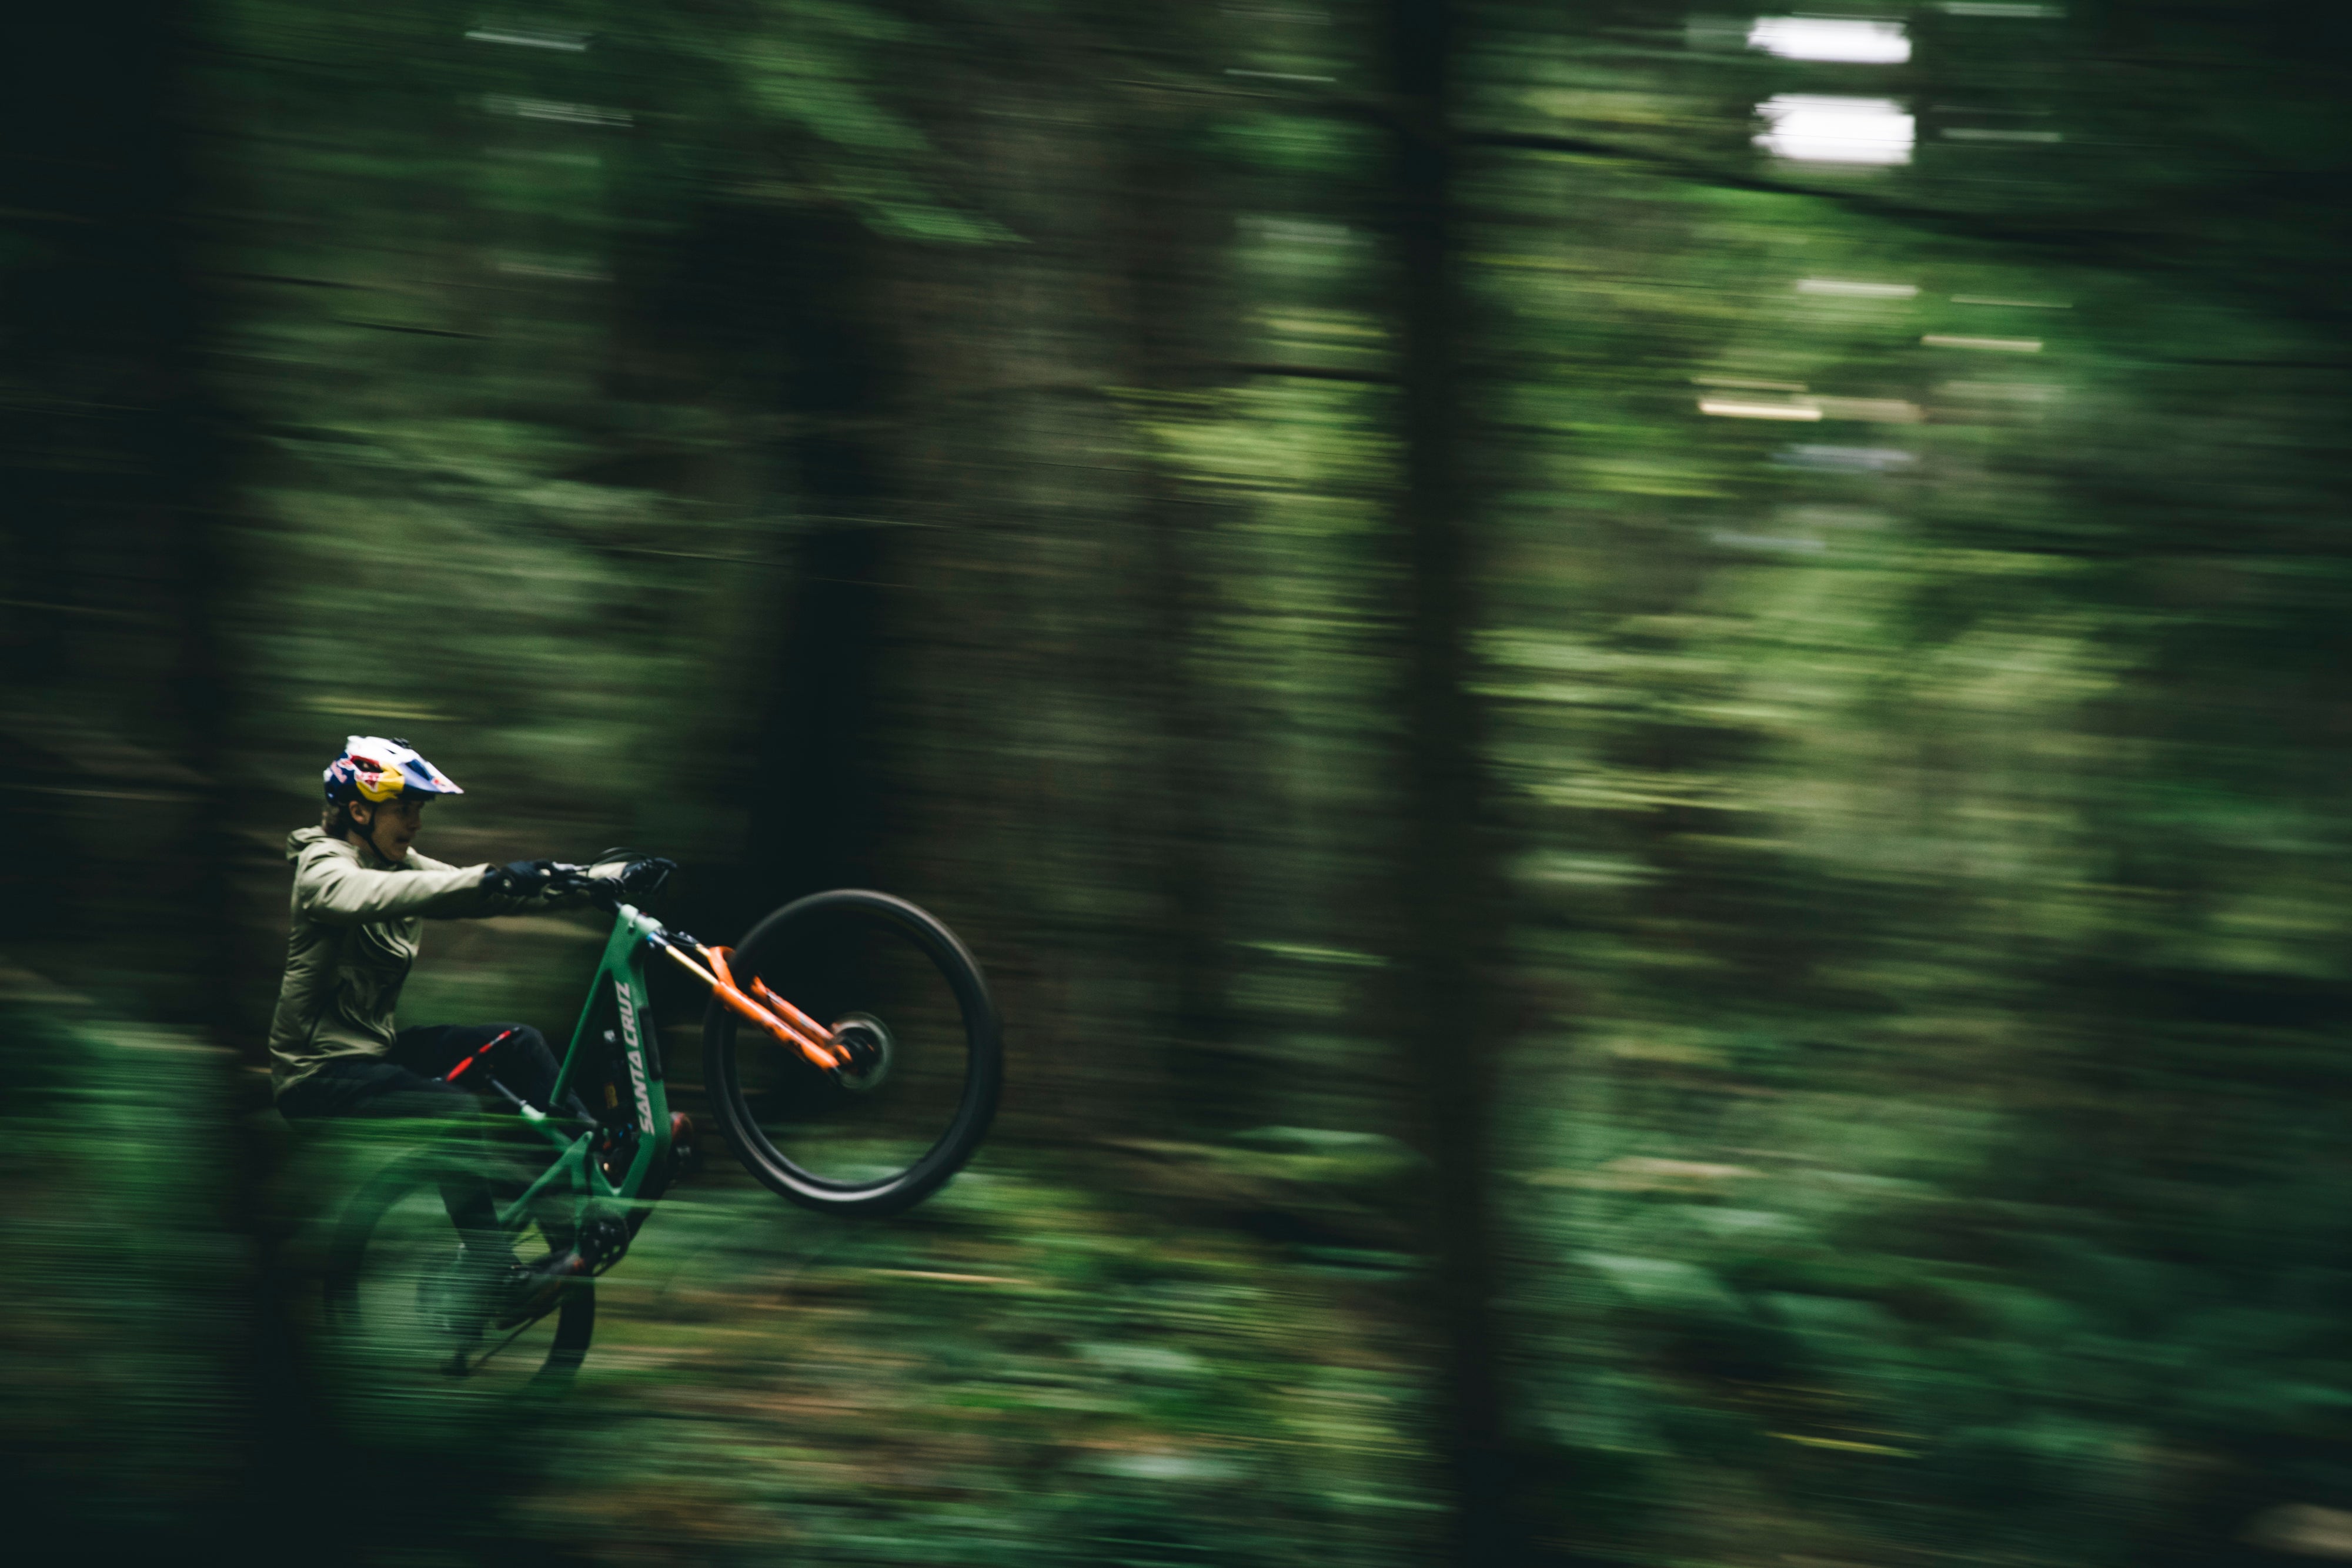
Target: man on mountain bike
[(360, 896)]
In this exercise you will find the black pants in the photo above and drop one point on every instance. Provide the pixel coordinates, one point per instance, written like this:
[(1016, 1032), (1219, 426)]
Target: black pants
[(407, 1082)]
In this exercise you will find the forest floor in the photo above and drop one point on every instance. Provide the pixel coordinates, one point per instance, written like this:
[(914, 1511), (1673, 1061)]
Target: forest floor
[(1035, 1364)]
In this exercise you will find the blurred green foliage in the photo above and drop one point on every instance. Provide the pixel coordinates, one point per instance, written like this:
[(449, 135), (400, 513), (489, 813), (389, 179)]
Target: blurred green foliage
[(960, 450)]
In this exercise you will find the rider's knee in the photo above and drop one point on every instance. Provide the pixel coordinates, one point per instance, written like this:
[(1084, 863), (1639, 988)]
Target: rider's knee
[(529, 1043)]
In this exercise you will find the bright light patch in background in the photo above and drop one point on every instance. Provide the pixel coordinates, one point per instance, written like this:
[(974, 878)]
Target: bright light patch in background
[(1831, 39), (567, 43), (1758, 408), (1873, 410), (1809, 129), (1989, 345), (1857, 291)]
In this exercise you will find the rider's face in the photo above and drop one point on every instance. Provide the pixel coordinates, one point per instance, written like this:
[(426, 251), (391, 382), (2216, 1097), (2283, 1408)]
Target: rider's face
[(391, 826)]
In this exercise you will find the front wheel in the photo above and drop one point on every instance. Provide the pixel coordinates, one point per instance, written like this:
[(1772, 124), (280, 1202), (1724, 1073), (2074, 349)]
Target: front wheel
[(882, 1133)]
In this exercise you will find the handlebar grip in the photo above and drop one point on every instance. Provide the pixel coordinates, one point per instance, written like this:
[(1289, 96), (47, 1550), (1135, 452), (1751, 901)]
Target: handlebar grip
[(608, 891)]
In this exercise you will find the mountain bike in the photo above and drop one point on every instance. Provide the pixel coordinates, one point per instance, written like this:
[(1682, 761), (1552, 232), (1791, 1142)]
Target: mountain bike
[(850, 1048)]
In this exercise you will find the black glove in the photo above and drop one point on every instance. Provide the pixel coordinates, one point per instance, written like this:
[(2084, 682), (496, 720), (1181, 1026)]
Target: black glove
[(640, 877), (518, 879)]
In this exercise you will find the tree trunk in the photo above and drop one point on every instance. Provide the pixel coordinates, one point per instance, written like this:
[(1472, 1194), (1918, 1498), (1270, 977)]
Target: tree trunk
[(1168, 246), (1451, 900), (110, 698), (789, 308), (114, 777)]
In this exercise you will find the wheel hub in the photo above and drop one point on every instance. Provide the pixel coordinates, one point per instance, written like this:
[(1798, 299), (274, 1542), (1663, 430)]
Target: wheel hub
[(871, 1047)]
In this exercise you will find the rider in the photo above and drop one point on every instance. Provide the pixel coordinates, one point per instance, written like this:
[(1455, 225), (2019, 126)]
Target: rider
[(361, 898)]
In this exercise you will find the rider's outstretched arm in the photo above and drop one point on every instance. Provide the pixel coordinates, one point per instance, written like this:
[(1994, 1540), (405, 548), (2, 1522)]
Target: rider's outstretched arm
[(335, 890)]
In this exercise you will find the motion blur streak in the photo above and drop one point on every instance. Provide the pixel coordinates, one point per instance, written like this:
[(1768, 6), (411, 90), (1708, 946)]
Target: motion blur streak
[(1831, 39), (1690, 661), (1817, 129)]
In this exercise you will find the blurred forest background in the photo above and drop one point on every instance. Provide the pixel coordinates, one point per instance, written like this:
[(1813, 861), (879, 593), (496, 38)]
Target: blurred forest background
[(1642, 713)]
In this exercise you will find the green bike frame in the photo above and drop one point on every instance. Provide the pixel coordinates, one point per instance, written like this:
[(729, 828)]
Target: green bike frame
[(621, 976)]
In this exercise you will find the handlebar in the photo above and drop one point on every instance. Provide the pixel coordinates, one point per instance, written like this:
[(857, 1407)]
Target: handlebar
[(605, 893)]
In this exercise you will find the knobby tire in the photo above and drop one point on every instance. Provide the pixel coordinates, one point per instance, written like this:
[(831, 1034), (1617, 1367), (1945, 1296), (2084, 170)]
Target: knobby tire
[(728, 1037)]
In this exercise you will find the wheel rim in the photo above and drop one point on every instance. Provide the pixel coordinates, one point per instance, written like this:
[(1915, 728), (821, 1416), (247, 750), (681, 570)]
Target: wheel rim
[(901, 989)]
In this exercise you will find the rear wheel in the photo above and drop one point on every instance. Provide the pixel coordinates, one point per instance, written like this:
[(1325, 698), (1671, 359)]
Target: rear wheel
[(883, 1133), (406, 1309)]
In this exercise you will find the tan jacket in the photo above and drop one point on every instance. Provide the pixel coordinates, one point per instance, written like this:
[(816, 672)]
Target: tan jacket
[(356, 921)]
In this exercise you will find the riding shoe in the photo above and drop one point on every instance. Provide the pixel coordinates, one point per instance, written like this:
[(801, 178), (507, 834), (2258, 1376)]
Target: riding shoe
[(530, 1289)]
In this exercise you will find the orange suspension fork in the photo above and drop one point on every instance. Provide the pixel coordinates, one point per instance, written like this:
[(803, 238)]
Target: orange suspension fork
[(786, 1022)]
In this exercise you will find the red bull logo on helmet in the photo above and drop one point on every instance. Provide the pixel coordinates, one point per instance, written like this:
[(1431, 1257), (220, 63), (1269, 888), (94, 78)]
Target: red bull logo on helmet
[(375, 768)]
